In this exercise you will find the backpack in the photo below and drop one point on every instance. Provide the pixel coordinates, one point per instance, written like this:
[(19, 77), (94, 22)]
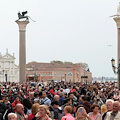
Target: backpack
[(60, 113), (42, 102)]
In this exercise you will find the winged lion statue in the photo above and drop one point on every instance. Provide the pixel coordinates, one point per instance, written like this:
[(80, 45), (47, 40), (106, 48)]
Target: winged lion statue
[(22, 16)]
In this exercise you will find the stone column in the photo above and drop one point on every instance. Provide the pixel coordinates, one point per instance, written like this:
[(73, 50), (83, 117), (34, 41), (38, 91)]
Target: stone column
[(117, 20), (22, 50)]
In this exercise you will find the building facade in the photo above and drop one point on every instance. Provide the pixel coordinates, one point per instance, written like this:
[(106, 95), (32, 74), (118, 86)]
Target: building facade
[(59, 72), (9, 71)]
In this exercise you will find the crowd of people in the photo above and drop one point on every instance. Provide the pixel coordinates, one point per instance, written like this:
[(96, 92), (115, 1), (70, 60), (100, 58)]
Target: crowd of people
[(59, 101)]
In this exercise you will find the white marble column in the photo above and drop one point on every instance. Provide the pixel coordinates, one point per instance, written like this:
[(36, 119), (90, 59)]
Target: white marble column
[(22, 50), (117, 20)]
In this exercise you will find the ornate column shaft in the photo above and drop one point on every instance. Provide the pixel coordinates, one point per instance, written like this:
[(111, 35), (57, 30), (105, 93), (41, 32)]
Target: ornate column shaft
[(22, 50)]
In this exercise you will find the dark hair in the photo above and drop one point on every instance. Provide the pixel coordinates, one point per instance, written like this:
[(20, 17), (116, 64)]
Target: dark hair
[(88, 98), (79, 107), (84, 98), (55, 103), (26, 102), (94, 105), (17, 96), (70, 94), (36, 94), (66, 100), (40, 93)]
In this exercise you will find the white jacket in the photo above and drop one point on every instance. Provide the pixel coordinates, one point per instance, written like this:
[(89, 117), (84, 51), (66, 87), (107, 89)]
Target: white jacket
[(108, 115)]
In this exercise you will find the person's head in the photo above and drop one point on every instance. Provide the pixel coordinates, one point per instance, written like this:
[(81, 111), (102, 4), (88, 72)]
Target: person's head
[(27, 103), (67, 109), (71, 95), (12, 116), (111, 96), (115, 107), (109, 104), (17, 98), (44, 94), (95, 108), (43, 110), (67, 101), (55, 104), (35, 108), (103, 108), (20, 108), (79, 113), (31, 94), (36, 100), (3, 97), (56, 98), (6, 99), (84, 98)]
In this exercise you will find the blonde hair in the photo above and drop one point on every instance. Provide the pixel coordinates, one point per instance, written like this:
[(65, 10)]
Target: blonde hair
[(35, 108), (68, 109), (103, 108), (46, 108), (83, 109)]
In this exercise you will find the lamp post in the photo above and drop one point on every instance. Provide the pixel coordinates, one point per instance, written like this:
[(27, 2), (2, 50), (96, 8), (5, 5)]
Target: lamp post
[(116, 70), (39, 77), (35, 76), (6, 76), (65, 77)]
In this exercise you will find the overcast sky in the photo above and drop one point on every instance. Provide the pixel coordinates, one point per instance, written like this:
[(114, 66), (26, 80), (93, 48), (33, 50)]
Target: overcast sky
[(65, 30)]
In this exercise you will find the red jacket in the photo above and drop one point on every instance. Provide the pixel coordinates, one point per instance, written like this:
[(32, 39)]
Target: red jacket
[(31, 116), (14, 104)]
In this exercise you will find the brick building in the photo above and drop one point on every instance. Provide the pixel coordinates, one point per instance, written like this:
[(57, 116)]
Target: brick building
[(36, 71)]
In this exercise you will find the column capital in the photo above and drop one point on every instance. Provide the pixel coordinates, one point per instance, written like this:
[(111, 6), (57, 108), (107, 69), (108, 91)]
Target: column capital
[(117, 20), (22, 24)]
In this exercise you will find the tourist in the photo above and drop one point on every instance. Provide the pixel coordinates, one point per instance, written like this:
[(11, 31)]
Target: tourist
[(86, 104), (68, 115), (95, 115), (109, 105), (12, 116), (20, 112), (15, 102), (103, 109), (57, 110), (115, 113), (34, 110), (45, 99), (81, 114), (43, 113)]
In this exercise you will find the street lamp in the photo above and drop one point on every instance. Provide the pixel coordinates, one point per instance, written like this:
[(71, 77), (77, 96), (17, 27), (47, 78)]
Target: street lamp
[(116, 71), (39, 77), (35, 76), (6, 77), (65, 77)]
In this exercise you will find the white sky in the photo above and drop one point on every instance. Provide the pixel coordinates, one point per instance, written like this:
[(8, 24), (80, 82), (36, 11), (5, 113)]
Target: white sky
[(65, 30)]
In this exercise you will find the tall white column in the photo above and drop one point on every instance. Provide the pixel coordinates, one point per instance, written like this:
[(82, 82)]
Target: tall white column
[(22, 50), (117, 20)]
